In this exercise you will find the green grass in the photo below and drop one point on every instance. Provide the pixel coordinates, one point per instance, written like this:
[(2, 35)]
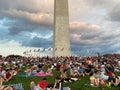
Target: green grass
[(78, 85)]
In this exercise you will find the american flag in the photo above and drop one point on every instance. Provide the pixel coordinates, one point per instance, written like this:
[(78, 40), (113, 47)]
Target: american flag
[(55, 49), (43, 49), (30, 51), (38, 50), (34, 50), (24, 52), (49, 49)]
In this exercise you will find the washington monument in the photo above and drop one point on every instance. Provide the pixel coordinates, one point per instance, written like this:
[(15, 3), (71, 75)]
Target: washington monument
[(61, 29)]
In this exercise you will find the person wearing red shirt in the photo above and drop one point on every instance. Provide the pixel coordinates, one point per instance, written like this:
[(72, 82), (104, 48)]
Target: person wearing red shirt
[(42, 85), (7, 75)]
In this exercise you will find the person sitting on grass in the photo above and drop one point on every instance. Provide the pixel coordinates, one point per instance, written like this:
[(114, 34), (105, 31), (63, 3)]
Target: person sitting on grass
[(93, 80), (2, 71), (114, 81), (103, 76), (1, 83), (117, 82), (8, 75), (75, 71), (42, 85), (71, 71), (96, 81), (66, 79), (58, 85), (49, 70), (97, 74), (15, 69), (111, 77), (3, 87), (28, 72), (87, 71), (81, 72)]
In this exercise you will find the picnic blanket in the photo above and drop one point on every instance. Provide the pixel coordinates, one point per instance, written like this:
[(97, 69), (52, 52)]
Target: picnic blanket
[(42, 75), (24, 75)]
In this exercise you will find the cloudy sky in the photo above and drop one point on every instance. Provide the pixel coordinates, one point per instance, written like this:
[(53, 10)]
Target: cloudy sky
[(28, 25)]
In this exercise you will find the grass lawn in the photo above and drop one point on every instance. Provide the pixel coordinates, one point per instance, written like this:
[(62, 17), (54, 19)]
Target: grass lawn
[(78, 85)]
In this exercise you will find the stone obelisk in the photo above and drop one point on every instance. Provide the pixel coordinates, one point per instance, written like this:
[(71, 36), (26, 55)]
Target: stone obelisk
[(61, 29)]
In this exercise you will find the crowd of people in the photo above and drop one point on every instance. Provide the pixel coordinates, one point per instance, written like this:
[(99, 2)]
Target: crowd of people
[(100, 70)]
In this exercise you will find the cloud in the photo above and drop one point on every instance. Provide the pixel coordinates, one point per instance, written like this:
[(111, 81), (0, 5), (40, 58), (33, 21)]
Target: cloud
[(28, 5), (84, 33), (101, 3), (32, 18), (93, 38), (114, 14), (24, 17), (41, 42)]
